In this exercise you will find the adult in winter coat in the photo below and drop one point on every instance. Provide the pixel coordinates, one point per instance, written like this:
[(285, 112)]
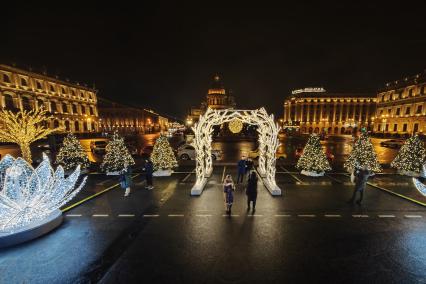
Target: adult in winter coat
[(361, 178), (228, 193), (249, 165), (126, 180), (149, 169), (241, 169), (251, 190)]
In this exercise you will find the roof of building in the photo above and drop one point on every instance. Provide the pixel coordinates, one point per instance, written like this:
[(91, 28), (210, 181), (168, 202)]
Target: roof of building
[(405, 82)]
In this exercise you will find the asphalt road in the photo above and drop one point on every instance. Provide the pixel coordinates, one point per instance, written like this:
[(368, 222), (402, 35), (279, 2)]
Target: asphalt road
[(310, 234)]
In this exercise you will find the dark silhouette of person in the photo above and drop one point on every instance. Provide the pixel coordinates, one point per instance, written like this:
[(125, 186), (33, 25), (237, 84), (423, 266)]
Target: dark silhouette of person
[(241, 169), (149, 169), (361, 178), (251, 190)]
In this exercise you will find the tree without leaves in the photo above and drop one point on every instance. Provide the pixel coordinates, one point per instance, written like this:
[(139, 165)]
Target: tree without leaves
[(24, 128)]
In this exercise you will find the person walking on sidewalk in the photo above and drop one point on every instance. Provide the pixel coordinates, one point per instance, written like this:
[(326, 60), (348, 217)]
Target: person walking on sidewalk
[(241, 169), (126, 179), (361, 178), (149, 169), (228, 193), (249, 166), (251, 190)]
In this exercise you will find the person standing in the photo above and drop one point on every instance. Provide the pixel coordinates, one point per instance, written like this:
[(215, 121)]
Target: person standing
[(361, 178), (149, 169), (126, 180), (241, 169), (251, 190), (228, 193), (249, 165)]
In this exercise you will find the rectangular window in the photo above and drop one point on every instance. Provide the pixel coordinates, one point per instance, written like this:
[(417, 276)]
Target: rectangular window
[(387, 127), (379, 127), (416, 128), (6, 78), (395, 127), (398, 111), (39, 86), (404, 127), (419, 109), (410, 93), (407, 111), (24, 82)]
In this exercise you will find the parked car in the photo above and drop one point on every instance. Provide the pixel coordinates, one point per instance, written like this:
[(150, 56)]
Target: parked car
[(255, 155), (98, 147), (393, 143), (187, 152)]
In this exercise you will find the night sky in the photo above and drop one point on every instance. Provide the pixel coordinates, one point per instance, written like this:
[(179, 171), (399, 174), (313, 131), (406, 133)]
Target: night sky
[(163, 55)]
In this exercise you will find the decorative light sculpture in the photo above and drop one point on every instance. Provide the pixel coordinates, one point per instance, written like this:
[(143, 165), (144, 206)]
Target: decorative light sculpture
[(268, 143), (235, 126), (28, 195), (420, 186)]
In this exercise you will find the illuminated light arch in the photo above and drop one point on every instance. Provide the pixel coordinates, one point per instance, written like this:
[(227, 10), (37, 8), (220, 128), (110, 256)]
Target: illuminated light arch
[(268, 144)]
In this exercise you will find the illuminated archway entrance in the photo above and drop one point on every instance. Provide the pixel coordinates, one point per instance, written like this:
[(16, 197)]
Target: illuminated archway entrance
[(268, 144)]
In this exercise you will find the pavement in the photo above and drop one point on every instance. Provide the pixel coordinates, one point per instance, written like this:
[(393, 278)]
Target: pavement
[(308, 235)]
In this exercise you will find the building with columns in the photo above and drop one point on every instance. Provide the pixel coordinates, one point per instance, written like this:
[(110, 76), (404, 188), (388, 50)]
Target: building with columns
[(217, 98), (114, 116), (315, 110), (401, 106), (71, 106)]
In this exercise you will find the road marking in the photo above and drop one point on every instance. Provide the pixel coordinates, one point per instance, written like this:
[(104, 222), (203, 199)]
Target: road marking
[(386, 216), (307, 215), (332, 215), (100, 215), (126, 215), (175, 215), (150, 215), (223, 173), (293, 176), (255, 215), (203, 215), (282, 215), (413, 216), (73, 215), (335, 179), (360, 216), (185, 178), (226, 215)]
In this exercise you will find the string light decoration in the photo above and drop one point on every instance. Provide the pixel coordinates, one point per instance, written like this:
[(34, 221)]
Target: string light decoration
[(28, 195), (163, 157), (420, 186), (268, 143), (411, 157), (72, 154), (313, 161), (235, 126), (117, 157), (25, 127), (363, 155)]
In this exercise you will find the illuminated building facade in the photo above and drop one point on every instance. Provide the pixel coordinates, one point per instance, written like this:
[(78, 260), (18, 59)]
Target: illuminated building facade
[(314, 110), (71, 106), (217, 98), (125, 119), (401, 106)]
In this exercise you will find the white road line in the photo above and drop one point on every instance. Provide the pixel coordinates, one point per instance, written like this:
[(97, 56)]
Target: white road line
[(203, 215), (282, 215), (360, 216), (150, 215), (293, 176), (175, 215), (307, 215), (188, 176), (255, 215), (386, 216), (332, 215), (126, 215), (73, 215), (100, 215), (226, 215), (413, 216)]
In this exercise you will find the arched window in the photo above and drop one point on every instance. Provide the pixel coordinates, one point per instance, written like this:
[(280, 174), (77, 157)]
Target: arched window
[(56, 123), (67, 125), (91, 110), (74, 109), (76, 126), (85, 126), (8, 102), (6, 78), (64, 108), (40, 103), (26, 103), (53, 107)]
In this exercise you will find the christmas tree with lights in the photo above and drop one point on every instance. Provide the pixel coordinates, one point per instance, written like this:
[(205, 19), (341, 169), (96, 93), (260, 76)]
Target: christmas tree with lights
[(163, 157), (72, 154), (363, 155), (313, 161), (117, 157), (411, 157)]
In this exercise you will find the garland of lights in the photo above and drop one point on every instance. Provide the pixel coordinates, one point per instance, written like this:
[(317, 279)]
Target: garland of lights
[(410, 157), (235, 126), (28, 195), (72, 154), (363, 155), (420, 186), (268, 142), (117, 157), (313, 160)]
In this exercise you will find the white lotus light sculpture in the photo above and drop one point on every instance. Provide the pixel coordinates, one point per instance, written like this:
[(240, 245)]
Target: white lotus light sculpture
[(29, 196)]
